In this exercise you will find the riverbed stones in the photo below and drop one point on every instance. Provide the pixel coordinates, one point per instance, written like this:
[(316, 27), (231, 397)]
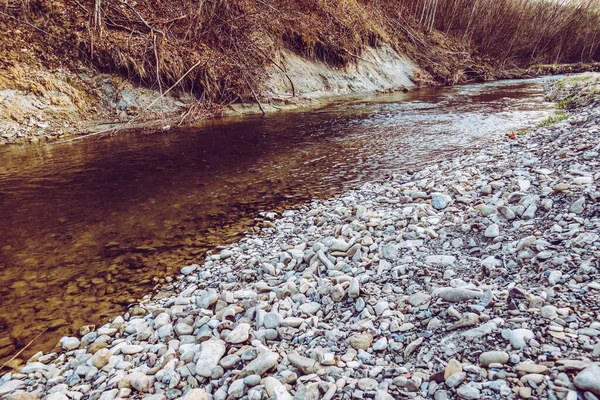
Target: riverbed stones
[(439, 201), (468, 392), (207, 299), (239, 334), (440, 260), (272, 320), (474, 276), (70, 343), (196, 394), (492, 231), (589, 379), (455, 295), (531, 368), (354, 288), (453, 367), (519, 337), (310, 308), (578, 206), (361, 341), (261, 364), (132, 349), (211, 352), (101, 358), (419, 298), (493, 357), (10, 386)]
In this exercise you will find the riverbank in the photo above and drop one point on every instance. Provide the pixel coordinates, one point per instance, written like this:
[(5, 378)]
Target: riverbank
[(39, 105), (70, 69), (475, 277)]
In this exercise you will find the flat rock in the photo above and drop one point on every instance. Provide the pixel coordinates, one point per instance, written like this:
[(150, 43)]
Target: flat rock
[(211, 352)]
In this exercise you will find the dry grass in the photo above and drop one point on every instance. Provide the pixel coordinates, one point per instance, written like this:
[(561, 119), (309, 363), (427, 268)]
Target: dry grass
[(521, 32), (230, 42)]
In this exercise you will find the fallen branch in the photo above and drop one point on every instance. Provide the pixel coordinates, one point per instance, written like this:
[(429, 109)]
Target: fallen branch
[(23, 349), (152, 29), (253, 93)]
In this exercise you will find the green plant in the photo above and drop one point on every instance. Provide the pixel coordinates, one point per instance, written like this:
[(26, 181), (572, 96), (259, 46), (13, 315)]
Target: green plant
[(553, 119), (566, 103)]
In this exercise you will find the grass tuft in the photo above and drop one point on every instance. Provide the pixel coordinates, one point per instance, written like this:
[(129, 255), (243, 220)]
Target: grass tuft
[(553, 119)]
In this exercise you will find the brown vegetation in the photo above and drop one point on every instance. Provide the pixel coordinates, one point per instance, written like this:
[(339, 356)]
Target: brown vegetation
[(521, 31), (223, 46)]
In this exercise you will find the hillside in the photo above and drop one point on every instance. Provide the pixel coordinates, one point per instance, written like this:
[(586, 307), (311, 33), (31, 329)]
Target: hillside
[(66, 65)]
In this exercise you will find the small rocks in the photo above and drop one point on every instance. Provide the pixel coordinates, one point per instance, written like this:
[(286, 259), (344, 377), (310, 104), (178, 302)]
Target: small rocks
[(468, 392), (579, 206), (240, 334), (439, 201), (70, 343), (196, 394), (380, 344), (493, 357), (389, 251), (519, 337), (310, 308), (132, 349), (531, 368), (549, 312), (10, 386), (440, 260), (207, 299), (101, 358), (492, 231), (453, 367), (140, 381), (272, 320), (261, 364), (361, 341), (554, 277), (418, 299), (455, 295), (412, 347), (456, 379), (354, 288)]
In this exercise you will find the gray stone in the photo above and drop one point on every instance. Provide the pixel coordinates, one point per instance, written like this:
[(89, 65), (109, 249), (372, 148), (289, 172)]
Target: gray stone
[(439, 201), (211, 352), (493, 357), (456, 379), (468, 392), (389, 251), (440, 260), (261, 364), (578, 206), (310, 308), (589, 379)]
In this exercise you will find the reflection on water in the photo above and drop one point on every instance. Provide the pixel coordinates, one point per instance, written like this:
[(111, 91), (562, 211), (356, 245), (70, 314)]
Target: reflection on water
[(86, 226)]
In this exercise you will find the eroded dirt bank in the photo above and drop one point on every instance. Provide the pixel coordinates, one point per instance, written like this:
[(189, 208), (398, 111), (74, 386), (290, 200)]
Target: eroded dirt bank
[(42, 105)]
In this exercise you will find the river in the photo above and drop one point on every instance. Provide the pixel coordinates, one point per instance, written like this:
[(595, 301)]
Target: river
[(90, 226)]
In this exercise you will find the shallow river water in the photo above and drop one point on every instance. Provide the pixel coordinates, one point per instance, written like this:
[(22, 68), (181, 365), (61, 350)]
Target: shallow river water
[(87, 227)]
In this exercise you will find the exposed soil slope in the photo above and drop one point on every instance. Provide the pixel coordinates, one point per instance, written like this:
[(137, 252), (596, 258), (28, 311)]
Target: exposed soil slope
[(53, 55)]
